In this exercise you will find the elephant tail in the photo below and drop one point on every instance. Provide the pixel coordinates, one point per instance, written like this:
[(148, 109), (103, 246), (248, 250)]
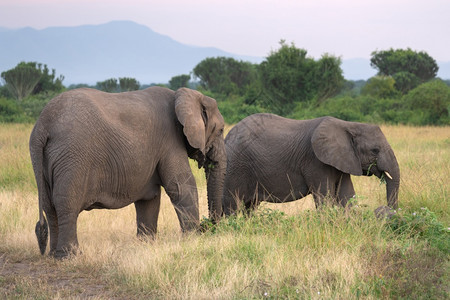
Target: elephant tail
[(42, 233), (38, 141)]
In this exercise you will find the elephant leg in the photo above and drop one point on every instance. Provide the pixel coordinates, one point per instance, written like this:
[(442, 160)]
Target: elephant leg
[(67, 235), (53, 227), (147, 212), (179, 183), (183, 194), (237, 199), (318, 199), (251, 205), (230, 203), (323, 190), (233, 192), (345, 190), (251, 202)]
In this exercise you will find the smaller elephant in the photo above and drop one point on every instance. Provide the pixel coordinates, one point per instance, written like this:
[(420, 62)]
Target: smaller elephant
[(275, 159)]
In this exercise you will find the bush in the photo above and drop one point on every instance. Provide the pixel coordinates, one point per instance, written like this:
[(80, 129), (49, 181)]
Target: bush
[(11, 112), (27, 111), (422, 224), (429, 103), (235, 109), (33, 105), (345, 108), (355, 109), (380, 87)]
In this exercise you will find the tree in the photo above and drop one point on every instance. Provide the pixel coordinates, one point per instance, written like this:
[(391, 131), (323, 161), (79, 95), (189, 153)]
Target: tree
[(179, 81), (225, 75), (48, 81), (32, 78), (128, 84), (109, 85), (21, 80), (78, 86), (288, 76), (381, 87), (329, 77), (409, 68)]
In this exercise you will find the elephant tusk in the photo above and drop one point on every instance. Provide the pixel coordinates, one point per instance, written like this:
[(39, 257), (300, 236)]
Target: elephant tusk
[(388, 175)]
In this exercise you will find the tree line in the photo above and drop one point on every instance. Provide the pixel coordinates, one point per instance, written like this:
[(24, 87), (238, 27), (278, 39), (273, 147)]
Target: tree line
[(287, 82)]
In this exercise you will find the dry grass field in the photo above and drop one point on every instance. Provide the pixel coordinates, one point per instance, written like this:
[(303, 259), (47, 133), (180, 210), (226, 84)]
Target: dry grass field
[(288, 250)]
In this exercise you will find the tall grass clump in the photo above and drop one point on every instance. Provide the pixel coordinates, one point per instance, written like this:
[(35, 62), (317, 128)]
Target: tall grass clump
[(15, 163)]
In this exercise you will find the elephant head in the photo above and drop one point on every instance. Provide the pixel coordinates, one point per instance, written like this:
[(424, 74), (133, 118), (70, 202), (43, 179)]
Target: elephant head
[(203, 128), (358, 149)]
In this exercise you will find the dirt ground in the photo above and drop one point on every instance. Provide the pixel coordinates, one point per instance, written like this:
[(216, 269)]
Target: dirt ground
[(45, 279)]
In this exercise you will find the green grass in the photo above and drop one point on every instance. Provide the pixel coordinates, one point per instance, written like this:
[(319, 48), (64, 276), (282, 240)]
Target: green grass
[(282, 251)]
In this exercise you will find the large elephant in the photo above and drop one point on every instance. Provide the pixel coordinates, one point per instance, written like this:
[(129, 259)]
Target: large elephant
[(92, 149), (274, 159)]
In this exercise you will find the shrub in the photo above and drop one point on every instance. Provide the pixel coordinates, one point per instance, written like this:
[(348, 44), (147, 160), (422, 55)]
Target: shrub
[(380, 87), (33, 105), (345, 108), (235, 109), (11, 112), (422, 224), (430, 104)]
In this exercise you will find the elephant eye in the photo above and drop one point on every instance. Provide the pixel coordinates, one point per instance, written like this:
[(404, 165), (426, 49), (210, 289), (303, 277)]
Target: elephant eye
[(204, 115), (375, 150)]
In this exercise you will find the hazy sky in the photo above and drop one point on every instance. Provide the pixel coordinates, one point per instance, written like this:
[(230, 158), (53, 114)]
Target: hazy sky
[(346, 28)]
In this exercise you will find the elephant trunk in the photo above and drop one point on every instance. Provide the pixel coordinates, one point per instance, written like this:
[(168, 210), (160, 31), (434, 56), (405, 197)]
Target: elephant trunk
[(392, 188), (215, 170), (391, 171)]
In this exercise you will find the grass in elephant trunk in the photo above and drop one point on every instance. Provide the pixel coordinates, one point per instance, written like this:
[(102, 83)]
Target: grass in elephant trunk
[(285, 250)]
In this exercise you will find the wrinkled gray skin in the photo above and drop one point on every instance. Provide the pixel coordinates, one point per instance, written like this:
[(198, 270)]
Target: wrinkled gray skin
[(92, 149), (274, 159)]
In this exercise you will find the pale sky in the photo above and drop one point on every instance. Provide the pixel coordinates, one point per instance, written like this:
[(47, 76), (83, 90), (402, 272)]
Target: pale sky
[(345, 28)]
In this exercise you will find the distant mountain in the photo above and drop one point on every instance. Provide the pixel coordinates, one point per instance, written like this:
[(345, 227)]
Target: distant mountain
[(91, 53)]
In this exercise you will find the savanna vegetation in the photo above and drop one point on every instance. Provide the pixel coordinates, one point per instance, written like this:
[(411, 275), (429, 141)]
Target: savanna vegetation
[(287, 82), (288, 250)]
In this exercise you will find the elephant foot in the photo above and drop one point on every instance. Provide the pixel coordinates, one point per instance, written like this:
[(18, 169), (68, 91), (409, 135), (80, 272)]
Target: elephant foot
[(384, 212), (146, 236), (190, 226), (65, 253), (60, 254)]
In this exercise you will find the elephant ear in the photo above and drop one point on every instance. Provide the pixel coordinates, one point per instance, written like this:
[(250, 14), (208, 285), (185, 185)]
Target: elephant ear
[(332, 143), (190, 113)]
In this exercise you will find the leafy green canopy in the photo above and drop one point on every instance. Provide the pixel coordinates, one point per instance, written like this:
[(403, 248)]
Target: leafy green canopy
[(179, 81), (381, 87), (288, 76), (124, 84), (287, 82), (429, 103), (31, 78), (21, 80), (408, 68), (225, 75)]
